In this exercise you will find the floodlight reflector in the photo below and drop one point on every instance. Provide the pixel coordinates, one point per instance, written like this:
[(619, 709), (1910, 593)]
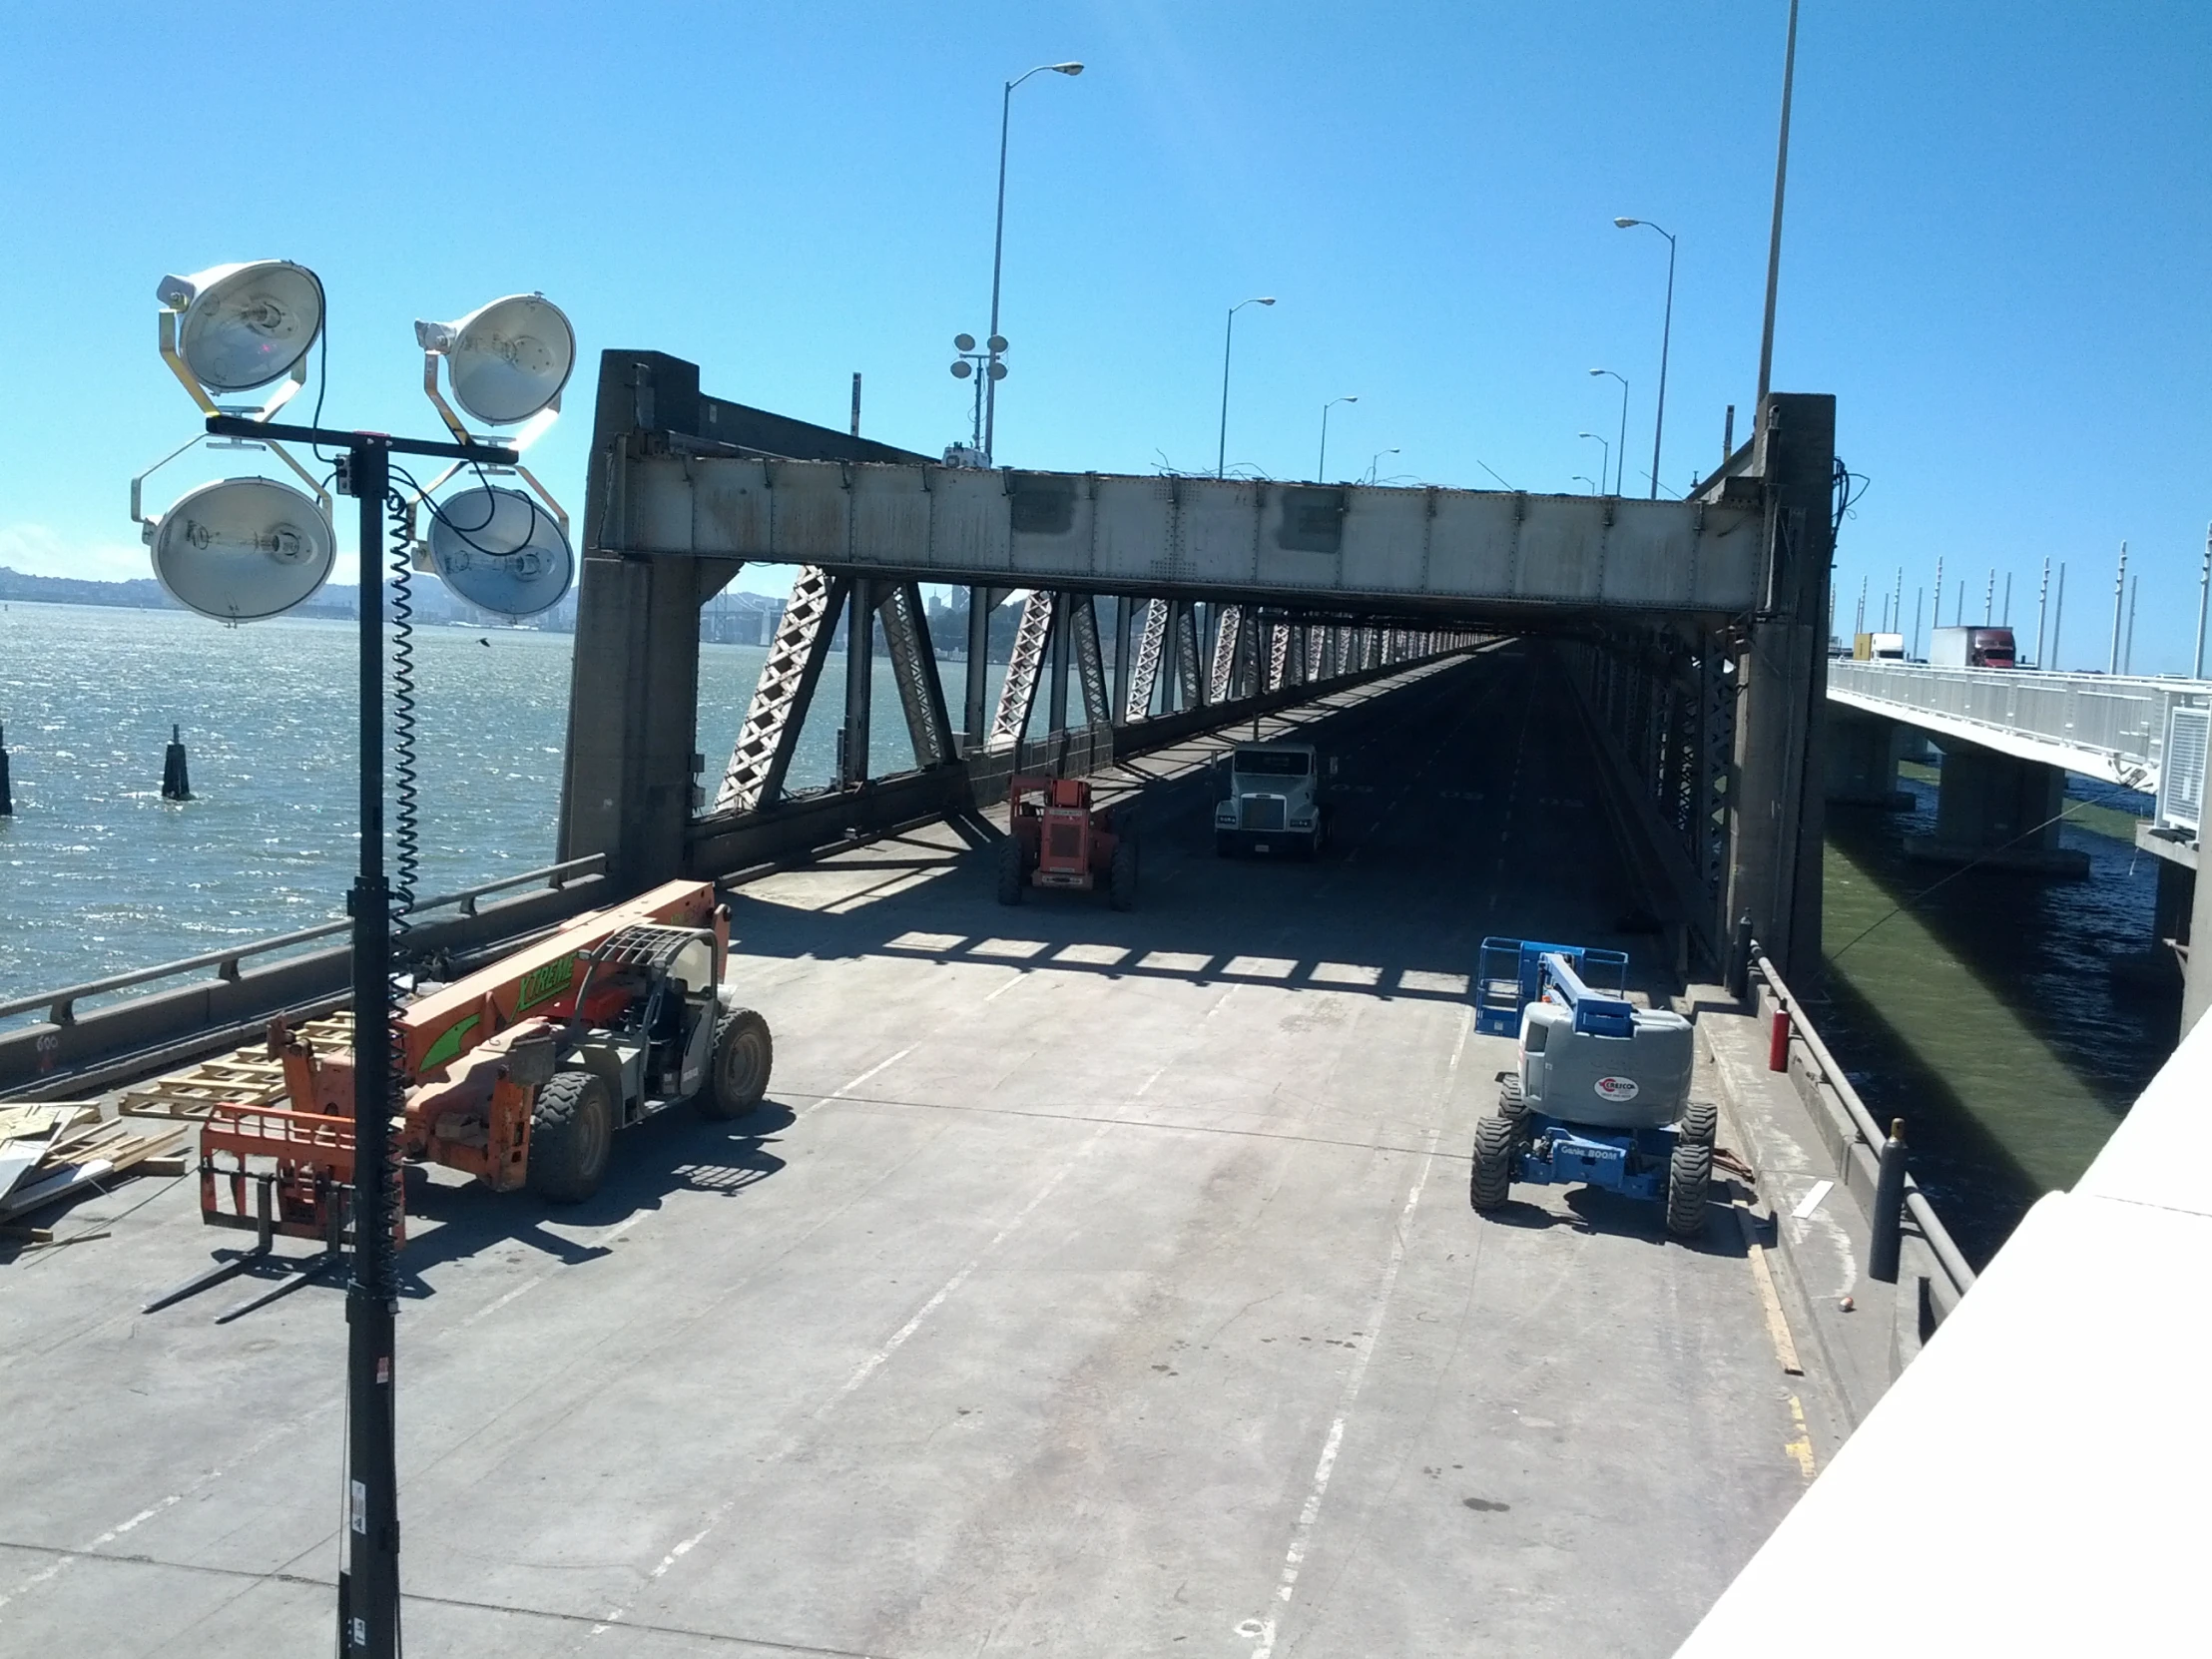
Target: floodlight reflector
[(244, 549), (245, 325), (508, 359), (500, 550)]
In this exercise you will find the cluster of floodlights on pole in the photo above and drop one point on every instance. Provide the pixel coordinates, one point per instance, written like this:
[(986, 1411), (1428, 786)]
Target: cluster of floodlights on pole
[(242, 549)]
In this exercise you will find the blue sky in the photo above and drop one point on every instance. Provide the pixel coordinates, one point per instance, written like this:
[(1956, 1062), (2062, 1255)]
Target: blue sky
[(1994, 256)]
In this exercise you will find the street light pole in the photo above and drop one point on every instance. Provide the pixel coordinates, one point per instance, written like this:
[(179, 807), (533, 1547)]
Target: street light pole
[(1376, 460), (1228, 337), (998, 236), (1321, 470), (1666, 339), (1605, 448), (1774, 242), (1623, 379)]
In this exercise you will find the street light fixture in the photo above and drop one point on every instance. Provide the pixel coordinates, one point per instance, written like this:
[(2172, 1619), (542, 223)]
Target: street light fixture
[(1595, 489), (1228, 335), (1666, 339), (1606, 448), (998, 246), (1375, 459), (1623, 379), (1321, 470)]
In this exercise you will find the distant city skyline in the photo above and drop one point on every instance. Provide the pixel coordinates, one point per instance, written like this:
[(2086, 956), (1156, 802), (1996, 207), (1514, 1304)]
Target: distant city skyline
[(1989, 251)]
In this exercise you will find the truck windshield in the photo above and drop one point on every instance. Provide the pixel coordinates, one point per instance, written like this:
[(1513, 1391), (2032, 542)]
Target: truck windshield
[(1262, 763)]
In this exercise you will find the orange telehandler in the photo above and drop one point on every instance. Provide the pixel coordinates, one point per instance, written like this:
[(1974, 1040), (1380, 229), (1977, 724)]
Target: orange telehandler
[(519, 1073)]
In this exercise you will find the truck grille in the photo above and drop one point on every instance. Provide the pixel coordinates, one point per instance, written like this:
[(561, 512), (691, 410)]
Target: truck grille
[(1063, 841), (1260, 811)]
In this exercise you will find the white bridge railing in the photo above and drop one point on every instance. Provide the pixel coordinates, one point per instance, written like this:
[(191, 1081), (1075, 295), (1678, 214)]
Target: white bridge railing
[(2102, 726)]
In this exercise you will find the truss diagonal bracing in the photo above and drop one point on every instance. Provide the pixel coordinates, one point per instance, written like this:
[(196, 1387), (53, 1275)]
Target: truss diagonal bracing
[(763, 752), (1026, 667), (914, 665)]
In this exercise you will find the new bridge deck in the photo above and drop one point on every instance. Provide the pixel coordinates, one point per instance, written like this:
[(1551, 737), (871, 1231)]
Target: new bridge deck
[(1099, 1284)]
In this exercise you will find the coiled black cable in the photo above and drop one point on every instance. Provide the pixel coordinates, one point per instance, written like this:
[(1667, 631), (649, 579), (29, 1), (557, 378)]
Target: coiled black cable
[(406, 835)]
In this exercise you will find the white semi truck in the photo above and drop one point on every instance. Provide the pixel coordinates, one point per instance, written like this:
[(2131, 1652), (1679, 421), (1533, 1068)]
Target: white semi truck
[(1273, 802)]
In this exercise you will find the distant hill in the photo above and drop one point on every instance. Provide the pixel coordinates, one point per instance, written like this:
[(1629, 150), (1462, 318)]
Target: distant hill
[(141, 593)]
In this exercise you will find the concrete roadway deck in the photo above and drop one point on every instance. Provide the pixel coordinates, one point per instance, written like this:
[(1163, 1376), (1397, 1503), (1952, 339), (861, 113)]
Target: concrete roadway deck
[(1100, 1284)]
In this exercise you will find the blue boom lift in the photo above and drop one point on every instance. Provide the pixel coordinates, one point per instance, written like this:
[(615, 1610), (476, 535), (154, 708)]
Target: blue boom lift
[(1601, 1091)]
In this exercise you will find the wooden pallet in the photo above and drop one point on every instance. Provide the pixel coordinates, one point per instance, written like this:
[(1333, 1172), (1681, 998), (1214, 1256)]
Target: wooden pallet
[(86, 1155), (243, 1077)]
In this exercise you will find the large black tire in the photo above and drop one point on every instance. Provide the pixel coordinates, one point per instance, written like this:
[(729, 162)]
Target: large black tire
[(737, 1068), (1121, 875), (1012, 877), (1689, 1177), (1492, 1175), (1511, 1106), (572, 1129), (1701, 1123)]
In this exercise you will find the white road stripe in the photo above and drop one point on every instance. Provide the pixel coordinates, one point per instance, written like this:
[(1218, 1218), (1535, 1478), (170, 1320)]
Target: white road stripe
[(1301, 1533), (867, 1368)]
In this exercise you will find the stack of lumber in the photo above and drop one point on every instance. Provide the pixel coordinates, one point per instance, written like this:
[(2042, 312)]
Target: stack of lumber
[(49, 1153), (243, 1077)]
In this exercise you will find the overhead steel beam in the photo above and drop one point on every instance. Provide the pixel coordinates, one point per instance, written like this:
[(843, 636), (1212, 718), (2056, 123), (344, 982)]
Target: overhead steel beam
[(1388, 548)]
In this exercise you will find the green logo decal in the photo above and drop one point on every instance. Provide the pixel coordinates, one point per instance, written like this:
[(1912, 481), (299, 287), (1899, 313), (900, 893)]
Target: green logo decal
[(542, 984), (448, 1046)]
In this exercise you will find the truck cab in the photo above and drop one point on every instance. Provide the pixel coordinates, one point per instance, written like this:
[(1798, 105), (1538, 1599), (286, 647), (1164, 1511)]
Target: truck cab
[(1273, 802)]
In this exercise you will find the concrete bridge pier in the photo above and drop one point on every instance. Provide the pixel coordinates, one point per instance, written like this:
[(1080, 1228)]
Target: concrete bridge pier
[(1998, 811), (1861, 760)]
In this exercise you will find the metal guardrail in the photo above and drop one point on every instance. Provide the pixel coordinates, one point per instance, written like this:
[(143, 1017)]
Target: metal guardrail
[(1868, 1130), (2112, 726), (61, 1004)]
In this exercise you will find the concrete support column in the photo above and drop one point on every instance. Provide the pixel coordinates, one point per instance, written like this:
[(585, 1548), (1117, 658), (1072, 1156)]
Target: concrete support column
[(1776, 815), (1861, 762), (1998, 811)]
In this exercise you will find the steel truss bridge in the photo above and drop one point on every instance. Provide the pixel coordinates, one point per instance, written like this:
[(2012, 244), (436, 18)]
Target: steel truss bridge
[(1694, 631)]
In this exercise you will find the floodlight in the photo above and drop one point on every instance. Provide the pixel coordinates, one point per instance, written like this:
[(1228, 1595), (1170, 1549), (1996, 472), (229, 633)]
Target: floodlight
[(997, 343), (963, 342), (244, 549), (500, 550), (507, 361), (244, 326), (962, 368), (996, 371)]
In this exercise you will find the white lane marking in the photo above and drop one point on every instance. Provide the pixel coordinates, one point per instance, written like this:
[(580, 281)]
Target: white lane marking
[(1156, 1074), (1011, 983), (97, 1544), (535, 1280), (1302, 1534), (866, 1368), (879, 1067)]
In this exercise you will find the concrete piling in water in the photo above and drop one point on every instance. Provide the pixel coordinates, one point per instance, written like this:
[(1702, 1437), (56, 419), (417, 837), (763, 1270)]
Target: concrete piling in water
[(7, 797), (175, 780)]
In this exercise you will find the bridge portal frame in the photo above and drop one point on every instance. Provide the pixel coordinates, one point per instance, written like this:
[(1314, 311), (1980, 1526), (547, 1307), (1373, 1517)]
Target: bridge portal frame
[(1717, 733)]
